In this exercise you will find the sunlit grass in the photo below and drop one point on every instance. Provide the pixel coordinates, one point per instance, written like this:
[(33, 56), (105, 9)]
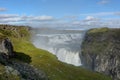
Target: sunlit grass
[(43, 60), (54, 69)]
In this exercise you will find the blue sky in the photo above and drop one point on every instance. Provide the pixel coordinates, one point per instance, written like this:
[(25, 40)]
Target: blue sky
[(60, 13)]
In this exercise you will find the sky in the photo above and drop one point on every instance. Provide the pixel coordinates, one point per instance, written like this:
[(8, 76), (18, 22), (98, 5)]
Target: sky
[(64, 14)]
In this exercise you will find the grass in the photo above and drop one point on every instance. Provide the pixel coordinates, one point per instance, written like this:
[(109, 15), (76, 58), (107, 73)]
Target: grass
[(100, 40), (54, 69), (43, 60), (98, 30)]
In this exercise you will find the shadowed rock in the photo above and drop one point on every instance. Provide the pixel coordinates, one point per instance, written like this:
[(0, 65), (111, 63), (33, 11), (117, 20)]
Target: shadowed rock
[(6, 47), (101, 51), (16, 63)]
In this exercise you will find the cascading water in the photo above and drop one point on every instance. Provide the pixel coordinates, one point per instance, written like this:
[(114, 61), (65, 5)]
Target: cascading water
[(66, 46)]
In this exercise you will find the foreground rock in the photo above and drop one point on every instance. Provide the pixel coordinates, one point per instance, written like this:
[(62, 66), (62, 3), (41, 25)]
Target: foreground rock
[(25, 71), (15, 67), (6, 50), (6, 47), (101, 51)]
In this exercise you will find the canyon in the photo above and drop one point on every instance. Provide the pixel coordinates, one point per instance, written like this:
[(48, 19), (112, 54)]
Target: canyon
[(65, 44), (95, 49), (20, 59)]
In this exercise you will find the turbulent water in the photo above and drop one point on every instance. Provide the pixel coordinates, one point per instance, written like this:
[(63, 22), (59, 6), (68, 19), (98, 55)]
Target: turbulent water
[(65, 45)]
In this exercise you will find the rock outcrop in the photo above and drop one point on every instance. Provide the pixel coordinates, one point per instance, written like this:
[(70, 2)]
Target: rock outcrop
[(21, 69), (25, 71), (18, 68), (101, 51), (6, 47)]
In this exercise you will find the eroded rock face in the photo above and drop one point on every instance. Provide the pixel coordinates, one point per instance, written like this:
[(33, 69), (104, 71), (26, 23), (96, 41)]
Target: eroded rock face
[(25, 71), (18, 68), (6, 47), (101, 52)]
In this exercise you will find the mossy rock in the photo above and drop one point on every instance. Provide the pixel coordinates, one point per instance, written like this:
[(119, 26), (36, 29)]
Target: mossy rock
[(98, 30)]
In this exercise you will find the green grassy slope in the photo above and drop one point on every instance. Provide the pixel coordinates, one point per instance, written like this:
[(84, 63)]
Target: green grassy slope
[(100, 40), (47, 62)]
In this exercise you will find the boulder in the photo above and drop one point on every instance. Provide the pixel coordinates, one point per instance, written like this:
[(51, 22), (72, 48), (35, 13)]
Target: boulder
[(6, 47)]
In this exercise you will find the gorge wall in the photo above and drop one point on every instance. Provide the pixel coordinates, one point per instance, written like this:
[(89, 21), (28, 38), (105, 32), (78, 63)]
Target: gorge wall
[(97, 49), (20, 60), (101, 51)]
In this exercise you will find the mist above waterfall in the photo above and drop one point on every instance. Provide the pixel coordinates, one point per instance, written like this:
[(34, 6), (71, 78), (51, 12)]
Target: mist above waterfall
[(65, 44)]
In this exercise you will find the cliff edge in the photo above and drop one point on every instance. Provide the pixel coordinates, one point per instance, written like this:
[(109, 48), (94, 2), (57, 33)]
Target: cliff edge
[(101, 51), (31, 63), (12, 66)]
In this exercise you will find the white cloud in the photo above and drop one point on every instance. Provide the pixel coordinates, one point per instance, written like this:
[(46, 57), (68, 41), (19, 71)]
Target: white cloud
[(101, 14), (3, 9), (90, 18), (76, 22), (3, 16), (104, 2), (7, 18), (117, 13), (90, 21), (42, 18), (70, 17)]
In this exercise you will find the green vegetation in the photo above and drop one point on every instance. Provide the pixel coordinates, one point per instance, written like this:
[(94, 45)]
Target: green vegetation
[(6, 76), (55, 69), (100, 40), (45, 61), (98, 30), (14, 31)]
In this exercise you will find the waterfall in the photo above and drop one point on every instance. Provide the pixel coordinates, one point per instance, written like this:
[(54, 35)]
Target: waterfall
[(66, 46)]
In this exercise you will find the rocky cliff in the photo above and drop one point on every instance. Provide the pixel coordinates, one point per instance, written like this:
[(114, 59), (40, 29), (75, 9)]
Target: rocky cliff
[(13, 66), (31, 63), (21, 69), (6, 47), (101, 51)]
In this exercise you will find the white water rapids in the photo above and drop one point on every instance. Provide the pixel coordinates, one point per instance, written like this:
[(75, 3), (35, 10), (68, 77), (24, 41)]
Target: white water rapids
[(66, 46)]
